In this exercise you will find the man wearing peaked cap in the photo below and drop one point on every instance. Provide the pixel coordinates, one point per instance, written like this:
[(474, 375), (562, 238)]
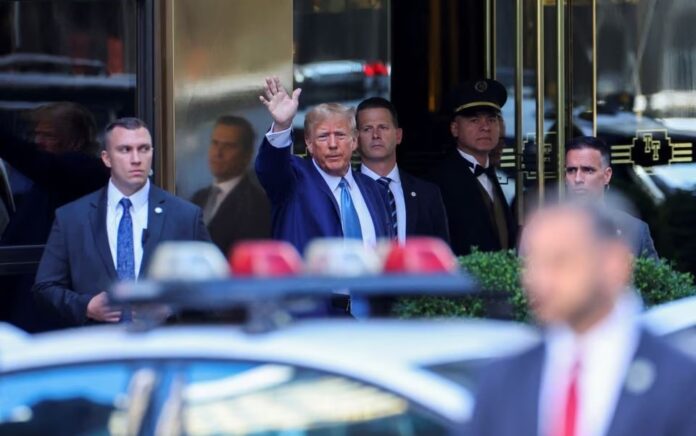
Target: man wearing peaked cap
[(477, 212)]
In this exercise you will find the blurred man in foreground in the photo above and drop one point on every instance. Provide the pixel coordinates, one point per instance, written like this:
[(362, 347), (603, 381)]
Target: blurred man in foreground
[(415, 205), (597, 371), (588, 174), (234, 207)]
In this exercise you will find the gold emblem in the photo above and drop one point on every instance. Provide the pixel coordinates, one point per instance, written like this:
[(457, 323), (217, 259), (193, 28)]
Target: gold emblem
[(650, 148), (481, 86)]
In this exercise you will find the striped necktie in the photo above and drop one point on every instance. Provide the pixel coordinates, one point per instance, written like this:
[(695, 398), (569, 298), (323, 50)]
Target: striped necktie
[(349, 216), (385, 181)]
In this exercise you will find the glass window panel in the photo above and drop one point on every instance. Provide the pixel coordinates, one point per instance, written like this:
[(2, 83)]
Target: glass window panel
[(333, 61), (222, 52), (83, 399), (66, 69), (270, 399), (647, 112)]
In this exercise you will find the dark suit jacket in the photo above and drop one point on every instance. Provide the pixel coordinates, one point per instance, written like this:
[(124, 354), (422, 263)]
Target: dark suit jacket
[(244, 214), (508, 397), (469, 221), (58, 179), (303, 207), (637, 234), (77, 264), (425, 211)]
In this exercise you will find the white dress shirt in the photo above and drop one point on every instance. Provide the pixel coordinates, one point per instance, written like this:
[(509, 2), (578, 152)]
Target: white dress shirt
[(283, 139), (605, 353), (138, 210), (225, 188), (397, 189), (483, 178)]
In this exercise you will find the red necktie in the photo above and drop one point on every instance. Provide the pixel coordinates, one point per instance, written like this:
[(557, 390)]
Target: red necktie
[(567, 425)]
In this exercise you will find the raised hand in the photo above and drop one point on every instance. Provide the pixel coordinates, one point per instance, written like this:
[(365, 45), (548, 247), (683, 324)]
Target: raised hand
[(281, 105)]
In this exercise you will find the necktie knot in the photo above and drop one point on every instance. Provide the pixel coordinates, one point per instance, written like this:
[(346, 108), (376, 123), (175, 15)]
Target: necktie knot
[(125, 204), (343, 184), (384, 181)]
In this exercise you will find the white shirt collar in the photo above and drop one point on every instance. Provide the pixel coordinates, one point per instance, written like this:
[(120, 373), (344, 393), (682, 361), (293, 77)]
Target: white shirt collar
[(138, 199), (471, 158), (228, 185), (393, 174), (622, 321), (333, 181)]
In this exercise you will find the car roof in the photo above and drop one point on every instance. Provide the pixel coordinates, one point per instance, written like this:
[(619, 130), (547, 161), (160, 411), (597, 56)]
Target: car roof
[(387, 353), (671, 317)]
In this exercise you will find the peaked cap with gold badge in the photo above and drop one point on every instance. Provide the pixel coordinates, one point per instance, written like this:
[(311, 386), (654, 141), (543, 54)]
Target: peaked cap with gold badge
[(477, 95)]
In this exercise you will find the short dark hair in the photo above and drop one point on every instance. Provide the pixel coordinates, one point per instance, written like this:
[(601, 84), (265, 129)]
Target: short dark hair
[(584, 142), (128, 123), (247, 136), (378, 103)]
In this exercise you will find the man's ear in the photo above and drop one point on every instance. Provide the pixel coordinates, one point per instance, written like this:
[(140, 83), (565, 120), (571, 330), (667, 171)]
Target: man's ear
[(399, 135), (607, 175), (106, 159), (454, 129), (308, 143), (354, 146)]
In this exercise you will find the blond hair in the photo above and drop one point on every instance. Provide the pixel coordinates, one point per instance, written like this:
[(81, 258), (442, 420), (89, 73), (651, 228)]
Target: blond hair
[(324, 111)]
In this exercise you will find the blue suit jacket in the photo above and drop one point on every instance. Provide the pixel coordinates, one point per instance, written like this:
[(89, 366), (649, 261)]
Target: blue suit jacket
[(508, 397), (302, 205), (77, 264)]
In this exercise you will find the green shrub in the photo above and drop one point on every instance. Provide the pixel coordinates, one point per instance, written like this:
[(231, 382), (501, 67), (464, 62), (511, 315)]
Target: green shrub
[(659, 282), (498, 275)]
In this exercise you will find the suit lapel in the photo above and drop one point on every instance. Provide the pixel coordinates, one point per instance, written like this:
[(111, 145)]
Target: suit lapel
[(634, 391), (225, 211), (323, 187), (97, 219), (411, 202), (382, 229), (530, 385), (156, 215)]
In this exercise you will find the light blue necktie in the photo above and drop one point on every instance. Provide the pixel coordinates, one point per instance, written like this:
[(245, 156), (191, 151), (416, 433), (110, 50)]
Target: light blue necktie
[(349, 216), (125, 256)]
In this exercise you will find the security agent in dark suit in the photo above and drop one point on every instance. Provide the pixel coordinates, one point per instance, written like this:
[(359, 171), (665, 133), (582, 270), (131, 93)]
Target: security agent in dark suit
[(320, 196), (597, 371), (415, 205), (588, 174), (235, 207), (477, 212), (109, 235)]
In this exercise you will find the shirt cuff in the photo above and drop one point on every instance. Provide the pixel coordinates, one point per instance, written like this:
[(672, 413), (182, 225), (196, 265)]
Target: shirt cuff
[(280, 139)]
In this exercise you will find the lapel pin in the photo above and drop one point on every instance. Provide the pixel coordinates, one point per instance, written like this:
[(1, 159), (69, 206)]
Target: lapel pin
[(413, 194), (640, 377), (158, 210)]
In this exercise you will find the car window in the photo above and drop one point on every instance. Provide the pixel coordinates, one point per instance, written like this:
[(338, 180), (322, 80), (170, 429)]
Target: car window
[(91, 399), (271, 399)]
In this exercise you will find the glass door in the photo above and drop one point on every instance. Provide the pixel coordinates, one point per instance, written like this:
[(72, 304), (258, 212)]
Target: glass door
[(624, 71)]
